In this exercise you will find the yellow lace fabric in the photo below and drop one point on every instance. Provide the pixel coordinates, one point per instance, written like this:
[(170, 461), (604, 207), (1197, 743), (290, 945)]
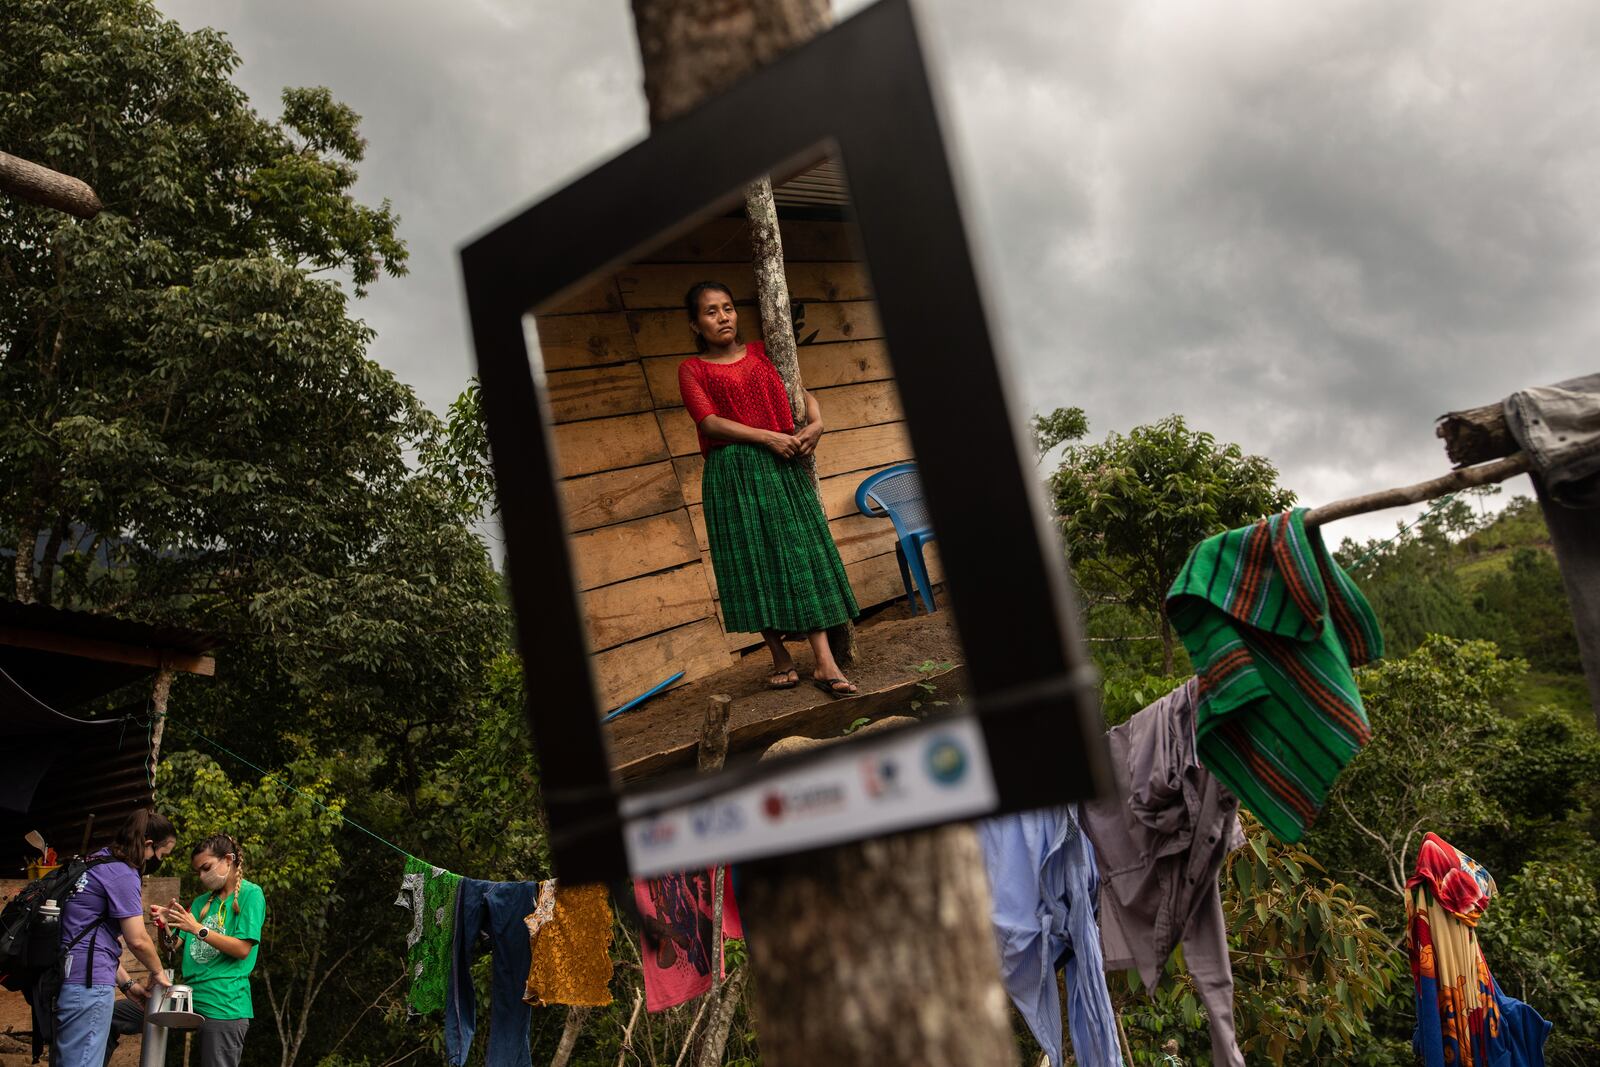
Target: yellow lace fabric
[(569, 935)]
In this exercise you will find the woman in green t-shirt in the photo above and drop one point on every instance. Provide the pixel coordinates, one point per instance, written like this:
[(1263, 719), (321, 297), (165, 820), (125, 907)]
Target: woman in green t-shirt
[(221, 934)]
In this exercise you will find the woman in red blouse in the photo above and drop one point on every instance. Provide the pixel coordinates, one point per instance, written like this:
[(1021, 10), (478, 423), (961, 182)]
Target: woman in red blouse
[(777, 568)]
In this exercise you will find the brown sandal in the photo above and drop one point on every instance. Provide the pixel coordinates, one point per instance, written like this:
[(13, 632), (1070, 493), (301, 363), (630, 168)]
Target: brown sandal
[(787, 683)]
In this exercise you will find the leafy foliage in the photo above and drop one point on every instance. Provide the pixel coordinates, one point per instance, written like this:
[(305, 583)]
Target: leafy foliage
[(1311, 969), (1134, 505)]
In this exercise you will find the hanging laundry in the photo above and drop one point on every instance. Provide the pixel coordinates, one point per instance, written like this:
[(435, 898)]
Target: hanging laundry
[(569, 946), (1463, 1019), (675, 938), (429, 893), (488, 917), (1274, 628), (1043, 889), (1559, 427), (1159, 844)]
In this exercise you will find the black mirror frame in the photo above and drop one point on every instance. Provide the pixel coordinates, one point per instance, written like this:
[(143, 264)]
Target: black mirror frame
[(862, 87)]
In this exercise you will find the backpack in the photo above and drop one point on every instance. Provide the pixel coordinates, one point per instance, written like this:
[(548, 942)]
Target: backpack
[(32, 955)]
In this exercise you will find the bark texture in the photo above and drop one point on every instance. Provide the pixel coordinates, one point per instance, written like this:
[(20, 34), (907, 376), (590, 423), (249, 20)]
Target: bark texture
[(1476, 435), (878, 953), (47, 188), (570, 1030), (721, 1022), (694, 49), (1498, 471)]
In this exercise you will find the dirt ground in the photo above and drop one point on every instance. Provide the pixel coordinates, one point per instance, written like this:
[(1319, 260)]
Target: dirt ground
[(892, 646), (16, 1035)]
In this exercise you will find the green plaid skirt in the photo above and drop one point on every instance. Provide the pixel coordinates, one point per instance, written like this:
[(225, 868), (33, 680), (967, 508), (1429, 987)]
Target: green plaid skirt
[(776, 564)]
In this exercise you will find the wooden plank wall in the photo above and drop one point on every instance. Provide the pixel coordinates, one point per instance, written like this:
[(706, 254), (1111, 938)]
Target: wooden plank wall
[(631, 465)]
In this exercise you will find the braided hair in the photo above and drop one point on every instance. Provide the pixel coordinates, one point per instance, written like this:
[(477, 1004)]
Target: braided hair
[(223, 847)]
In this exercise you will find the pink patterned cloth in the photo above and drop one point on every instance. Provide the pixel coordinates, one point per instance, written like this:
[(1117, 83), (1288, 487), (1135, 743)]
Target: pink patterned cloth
[(675, 936)]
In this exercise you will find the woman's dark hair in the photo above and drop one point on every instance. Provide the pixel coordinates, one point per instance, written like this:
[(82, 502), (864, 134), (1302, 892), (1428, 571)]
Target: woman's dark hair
[(691, 305), (141, 826), (222, 846)]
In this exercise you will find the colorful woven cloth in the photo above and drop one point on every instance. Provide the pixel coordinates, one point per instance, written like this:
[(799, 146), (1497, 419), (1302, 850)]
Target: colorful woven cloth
[(776, 564), (1274, 628), (1463, 1018), (569, 937), (429, 893)]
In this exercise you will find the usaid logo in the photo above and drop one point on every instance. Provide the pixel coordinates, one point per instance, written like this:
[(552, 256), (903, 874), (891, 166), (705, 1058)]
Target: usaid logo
[(946, 760), (716, 820), (657, 833)]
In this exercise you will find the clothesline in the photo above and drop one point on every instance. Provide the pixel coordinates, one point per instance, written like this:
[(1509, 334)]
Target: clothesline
[(269, 776)]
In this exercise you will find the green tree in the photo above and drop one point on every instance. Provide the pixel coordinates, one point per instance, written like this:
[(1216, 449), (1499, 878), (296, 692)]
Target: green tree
[(197, 434), (174, 377), (1436, 733), (1312, 969), (1132, 507), (1058, 427)]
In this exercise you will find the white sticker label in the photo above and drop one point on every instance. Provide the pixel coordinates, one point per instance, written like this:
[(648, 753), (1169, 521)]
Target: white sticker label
[(920, 777)]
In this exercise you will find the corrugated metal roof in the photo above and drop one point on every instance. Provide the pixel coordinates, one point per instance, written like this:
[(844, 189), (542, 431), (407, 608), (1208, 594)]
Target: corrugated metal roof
[(58, 768), (819, 186), (102, 627)]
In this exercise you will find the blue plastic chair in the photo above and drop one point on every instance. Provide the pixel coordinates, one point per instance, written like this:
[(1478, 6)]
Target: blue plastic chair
[(896, 492)]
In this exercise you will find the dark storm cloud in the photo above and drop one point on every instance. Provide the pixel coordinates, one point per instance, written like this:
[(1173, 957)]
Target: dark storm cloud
[(1309, 228)]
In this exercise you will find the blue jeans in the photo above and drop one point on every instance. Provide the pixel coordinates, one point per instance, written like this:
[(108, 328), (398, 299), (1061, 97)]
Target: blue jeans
[(83, 1024), (496, 908)]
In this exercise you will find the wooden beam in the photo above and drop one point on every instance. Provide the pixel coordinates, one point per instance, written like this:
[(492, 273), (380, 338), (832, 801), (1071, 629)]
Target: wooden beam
[(1476, 435), (47, 188), (1498, 471), (826, 719), (108, 651)]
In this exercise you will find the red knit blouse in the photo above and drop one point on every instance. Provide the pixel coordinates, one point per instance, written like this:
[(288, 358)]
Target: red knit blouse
[(747, 391)]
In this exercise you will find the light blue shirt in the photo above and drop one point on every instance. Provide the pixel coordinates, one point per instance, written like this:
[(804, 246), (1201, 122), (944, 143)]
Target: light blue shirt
[(1044, 889)]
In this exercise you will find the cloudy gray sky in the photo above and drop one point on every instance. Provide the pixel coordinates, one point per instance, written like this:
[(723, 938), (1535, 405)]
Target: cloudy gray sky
[(1309, 228)]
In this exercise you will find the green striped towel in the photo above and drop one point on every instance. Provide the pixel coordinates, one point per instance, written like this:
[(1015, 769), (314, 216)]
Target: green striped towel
[(1279, 714)]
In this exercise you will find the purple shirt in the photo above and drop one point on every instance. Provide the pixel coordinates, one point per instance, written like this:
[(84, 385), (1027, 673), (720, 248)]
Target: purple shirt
[(105, 895)]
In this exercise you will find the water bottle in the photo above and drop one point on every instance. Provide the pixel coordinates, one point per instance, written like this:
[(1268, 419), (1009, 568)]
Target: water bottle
[(44, 941)]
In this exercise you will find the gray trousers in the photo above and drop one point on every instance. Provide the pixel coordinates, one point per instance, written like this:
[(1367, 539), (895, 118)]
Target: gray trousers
[(219, 1043)]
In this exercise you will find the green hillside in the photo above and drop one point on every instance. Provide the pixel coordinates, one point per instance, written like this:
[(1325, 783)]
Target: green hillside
[(1465, 576)]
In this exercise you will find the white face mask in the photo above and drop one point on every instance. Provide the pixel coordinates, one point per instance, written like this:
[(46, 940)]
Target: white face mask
[(217, 876)]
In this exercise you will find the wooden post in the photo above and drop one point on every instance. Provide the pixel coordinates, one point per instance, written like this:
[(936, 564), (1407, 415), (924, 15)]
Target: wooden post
[(871, 953), (714, 734), (772, 292), (159, 692), (47, 188)]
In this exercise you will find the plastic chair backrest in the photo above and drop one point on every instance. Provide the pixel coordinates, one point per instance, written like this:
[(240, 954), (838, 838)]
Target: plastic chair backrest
[(897, 492)]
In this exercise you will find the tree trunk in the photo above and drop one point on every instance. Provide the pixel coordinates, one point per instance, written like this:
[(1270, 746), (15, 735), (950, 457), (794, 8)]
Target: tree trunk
[(159, 692), (878, 952), (569, 1036), (46, 187), (22, 571), (716, 1038), (1166, 642), (44, 589), (695, 49), (872, 953), (777, 330)]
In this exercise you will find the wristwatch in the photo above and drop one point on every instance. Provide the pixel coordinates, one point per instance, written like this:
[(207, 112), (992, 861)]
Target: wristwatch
[(203, 933), (125, 986)]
